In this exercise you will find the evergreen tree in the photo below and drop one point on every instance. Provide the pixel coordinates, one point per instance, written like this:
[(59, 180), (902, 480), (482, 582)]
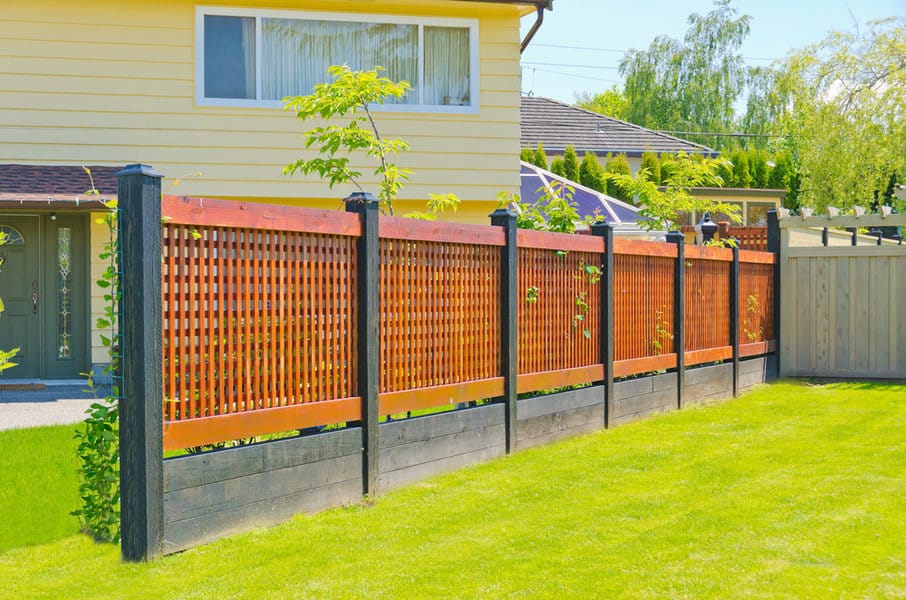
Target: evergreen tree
[(742, 177), (617, 165), (540, 157), (557, 167), (758, 165), (527, 155), (591, 173), (652, 165), (571, 164)]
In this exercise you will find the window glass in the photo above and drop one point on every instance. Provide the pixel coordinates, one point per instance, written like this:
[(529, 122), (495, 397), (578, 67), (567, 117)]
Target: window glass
[(10, 236), (276, 55), (296, 54), (757, 213), (229, 57), (447, 66)]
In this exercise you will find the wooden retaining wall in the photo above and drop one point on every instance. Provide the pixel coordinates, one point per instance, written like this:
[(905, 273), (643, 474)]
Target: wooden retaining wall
[(212, 495)]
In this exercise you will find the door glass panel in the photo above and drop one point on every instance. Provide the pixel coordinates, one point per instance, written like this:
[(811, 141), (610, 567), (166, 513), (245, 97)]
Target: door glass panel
[(64, 292), (10, 236)]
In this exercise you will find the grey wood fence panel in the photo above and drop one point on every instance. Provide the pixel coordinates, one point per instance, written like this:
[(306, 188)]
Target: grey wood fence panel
[(843, 311)]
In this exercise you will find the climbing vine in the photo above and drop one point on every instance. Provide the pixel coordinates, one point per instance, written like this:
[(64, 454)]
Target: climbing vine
[(98, 449)]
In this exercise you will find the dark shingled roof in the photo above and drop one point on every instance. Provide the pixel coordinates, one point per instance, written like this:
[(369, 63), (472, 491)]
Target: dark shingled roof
[(556, 125), (63, 180)]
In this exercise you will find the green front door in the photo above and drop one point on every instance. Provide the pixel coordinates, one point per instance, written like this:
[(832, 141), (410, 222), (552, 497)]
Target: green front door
[(20, 323), (43, 283)]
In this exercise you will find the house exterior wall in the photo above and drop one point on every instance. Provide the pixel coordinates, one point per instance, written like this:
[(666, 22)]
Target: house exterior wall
[(101, 82)]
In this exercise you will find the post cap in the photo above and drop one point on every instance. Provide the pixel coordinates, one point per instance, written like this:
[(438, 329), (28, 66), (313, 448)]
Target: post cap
[(676, 237), (359, 201), (138, 169)]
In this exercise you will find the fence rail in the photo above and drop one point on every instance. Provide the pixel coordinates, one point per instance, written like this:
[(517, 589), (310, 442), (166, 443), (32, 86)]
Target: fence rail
[(260, 311)]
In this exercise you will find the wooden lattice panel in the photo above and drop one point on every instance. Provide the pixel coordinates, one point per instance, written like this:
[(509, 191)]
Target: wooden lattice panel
[(440, 314), (643, 305), (255, 319), (756, 302), (707, 298), (558, 302)]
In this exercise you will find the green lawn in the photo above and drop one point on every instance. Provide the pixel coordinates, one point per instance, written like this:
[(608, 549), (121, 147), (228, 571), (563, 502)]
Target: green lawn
[(38, 485), (790, 491)]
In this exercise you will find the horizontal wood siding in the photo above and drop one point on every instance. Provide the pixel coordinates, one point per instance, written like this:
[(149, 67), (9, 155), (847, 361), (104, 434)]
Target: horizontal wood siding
[(101, 82)]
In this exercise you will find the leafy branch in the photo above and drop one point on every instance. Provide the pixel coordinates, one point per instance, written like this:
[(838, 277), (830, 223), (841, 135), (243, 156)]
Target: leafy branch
[(351, 94)]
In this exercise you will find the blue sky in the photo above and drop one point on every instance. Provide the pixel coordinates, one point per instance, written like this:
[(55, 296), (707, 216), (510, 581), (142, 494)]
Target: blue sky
[(597, 32)]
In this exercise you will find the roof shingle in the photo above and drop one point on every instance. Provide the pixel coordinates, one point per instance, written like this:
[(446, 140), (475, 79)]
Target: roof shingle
[(556, 125)]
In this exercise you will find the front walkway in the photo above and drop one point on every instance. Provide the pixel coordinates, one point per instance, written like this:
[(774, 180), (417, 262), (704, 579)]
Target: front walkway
[(60, 403)]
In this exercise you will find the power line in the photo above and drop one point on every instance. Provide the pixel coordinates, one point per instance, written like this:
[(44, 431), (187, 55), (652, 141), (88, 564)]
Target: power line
[(547, 64), (617, 51), (712, 133), (564, 74)]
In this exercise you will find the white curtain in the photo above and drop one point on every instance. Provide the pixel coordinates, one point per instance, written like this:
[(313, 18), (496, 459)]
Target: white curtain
[(447, 66), (295, 54)]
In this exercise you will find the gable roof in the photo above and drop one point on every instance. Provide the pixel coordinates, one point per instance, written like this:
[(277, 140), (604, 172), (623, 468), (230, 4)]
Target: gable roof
[(36, 185), (556, 125)]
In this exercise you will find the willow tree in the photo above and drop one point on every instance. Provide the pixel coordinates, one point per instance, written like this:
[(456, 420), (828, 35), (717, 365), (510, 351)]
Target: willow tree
[(846, 117), (690, 85)]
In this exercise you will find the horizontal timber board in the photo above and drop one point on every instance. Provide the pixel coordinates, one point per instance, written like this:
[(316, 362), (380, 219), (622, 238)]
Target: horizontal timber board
[(442, 395), (532, 382), (548, 404), (696, 357), (186, 533), (252, 215), (644, 248), (645, 364), (440, 231), (420, 429), (219, 465), (234, 426), (546, 240), (441, 447), (756, 257)]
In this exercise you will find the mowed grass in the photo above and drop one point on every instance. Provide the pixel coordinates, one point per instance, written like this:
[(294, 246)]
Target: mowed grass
[(790, 491), (38, 485)]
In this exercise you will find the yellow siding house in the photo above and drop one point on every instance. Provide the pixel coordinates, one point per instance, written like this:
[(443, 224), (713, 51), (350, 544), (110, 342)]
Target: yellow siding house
[(195, 91)]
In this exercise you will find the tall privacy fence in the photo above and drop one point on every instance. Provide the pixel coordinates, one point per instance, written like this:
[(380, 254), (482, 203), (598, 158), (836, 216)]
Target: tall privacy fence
[(243, 320), (844, 296)]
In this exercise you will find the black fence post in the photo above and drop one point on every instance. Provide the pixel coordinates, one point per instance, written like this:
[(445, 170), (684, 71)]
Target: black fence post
[(606, 340), (734, 317), (508, 320), (139, 363), (679, 312), (367, 323), (774, 247)]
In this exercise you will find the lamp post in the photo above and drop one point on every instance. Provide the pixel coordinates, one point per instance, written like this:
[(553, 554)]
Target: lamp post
[(705, 229)]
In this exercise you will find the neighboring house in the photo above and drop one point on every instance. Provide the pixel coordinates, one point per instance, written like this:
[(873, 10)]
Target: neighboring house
[(537, 182), (557, 125), (196, 88), (753, 203)]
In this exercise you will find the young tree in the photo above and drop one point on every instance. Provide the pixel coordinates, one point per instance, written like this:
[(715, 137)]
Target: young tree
[(527, 155), (591, 174), (557, 167), (351, 94), (662, 207)]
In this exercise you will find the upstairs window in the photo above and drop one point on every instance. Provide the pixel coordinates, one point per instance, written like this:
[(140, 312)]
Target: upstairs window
[(257, 59)]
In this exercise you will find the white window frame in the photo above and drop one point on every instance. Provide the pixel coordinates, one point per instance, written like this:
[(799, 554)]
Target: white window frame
[(258, 14)]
